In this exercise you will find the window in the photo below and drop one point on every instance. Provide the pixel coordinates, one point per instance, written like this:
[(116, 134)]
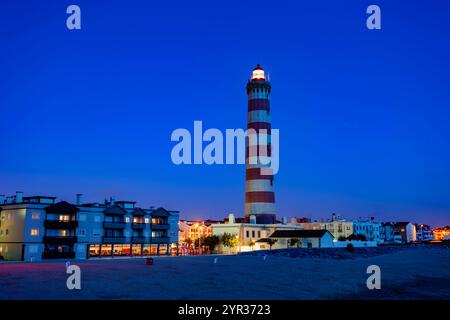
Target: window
[(253, 233), (35, 216), (247, 233), (82, 232), (259, 234), (82, 217), (96, 233), (127, 219), (147, 220), (34, 232), (97, 219), (94, 250)]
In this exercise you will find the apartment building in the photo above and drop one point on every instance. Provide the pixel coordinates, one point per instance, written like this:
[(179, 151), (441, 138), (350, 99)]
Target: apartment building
[(370, 229), (344, 229), (38, 227), (424, 232), (194, 230), (340, 229)]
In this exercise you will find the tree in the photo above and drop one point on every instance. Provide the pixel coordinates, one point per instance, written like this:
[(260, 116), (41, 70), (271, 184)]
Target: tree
[(211, 242), (293, 242), (229, 240), (251, 243), (271, 242), (342, 238), (188, 242)]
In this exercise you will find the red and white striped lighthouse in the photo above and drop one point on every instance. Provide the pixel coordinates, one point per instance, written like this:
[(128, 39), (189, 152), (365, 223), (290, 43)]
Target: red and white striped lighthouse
[(259, 191)]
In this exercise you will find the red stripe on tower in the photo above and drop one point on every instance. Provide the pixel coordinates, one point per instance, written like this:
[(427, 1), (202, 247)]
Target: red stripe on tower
[(259, 191)]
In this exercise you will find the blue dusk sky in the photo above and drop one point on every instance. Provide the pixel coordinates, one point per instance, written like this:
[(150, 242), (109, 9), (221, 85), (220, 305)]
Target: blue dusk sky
[(363, 114)]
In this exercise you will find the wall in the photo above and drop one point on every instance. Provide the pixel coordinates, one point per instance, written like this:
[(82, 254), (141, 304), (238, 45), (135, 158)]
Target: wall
[(356, 244)]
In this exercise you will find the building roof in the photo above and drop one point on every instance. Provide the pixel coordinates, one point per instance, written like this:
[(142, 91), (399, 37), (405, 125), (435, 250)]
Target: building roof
[(138, 212), (38, 197), (299, 234), (401, 224), (160, 212), (115, 210), (62, 207)]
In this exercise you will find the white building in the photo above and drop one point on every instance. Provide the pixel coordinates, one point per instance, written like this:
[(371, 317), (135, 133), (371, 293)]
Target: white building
[(370, 229), (248, 234), (303, 238)]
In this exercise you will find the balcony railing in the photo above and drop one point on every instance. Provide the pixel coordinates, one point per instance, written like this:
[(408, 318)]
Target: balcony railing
[(138, 225), (58, 255), (60, 224), (138, 239), (159, 240), (113, 239), (160, 226), (114, 225), (60, 239)]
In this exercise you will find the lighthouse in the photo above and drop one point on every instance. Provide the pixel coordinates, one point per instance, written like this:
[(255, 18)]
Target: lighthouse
[(259, 188)]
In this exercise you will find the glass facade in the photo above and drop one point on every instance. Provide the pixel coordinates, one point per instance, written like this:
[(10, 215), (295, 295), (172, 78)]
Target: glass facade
[(136, 249), (94, 250), (106, 250), (122, 249)]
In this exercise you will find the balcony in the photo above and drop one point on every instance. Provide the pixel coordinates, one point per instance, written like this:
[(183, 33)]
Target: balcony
[(114, 225), (138, 225), (138, 240), (58, 255), (114, 240), (60, 224), (159, 240), (160, 226), (60, 239)]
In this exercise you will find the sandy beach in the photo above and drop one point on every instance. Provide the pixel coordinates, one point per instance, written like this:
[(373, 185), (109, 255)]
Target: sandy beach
[(414, 273)]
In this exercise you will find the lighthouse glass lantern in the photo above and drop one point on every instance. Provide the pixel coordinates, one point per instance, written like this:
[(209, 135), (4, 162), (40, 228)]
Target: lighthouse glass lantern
[(258, 73)]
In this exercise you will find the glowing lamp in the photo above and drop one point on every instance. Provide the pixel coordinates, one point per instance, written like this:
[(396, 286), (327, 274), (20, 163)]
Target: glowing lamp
[(258, 73)]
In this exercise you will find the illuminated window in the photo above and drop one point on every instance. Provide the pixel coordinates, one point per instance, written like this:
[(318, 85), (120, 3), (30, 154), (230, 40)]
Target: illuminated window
[(34, 232), (35, 216), (127, 219), (147, 220)]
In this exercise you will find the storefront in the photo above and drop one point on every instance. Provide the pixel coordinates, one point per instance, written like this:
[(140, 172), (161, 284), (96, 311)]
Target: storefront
[(119, 250)]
